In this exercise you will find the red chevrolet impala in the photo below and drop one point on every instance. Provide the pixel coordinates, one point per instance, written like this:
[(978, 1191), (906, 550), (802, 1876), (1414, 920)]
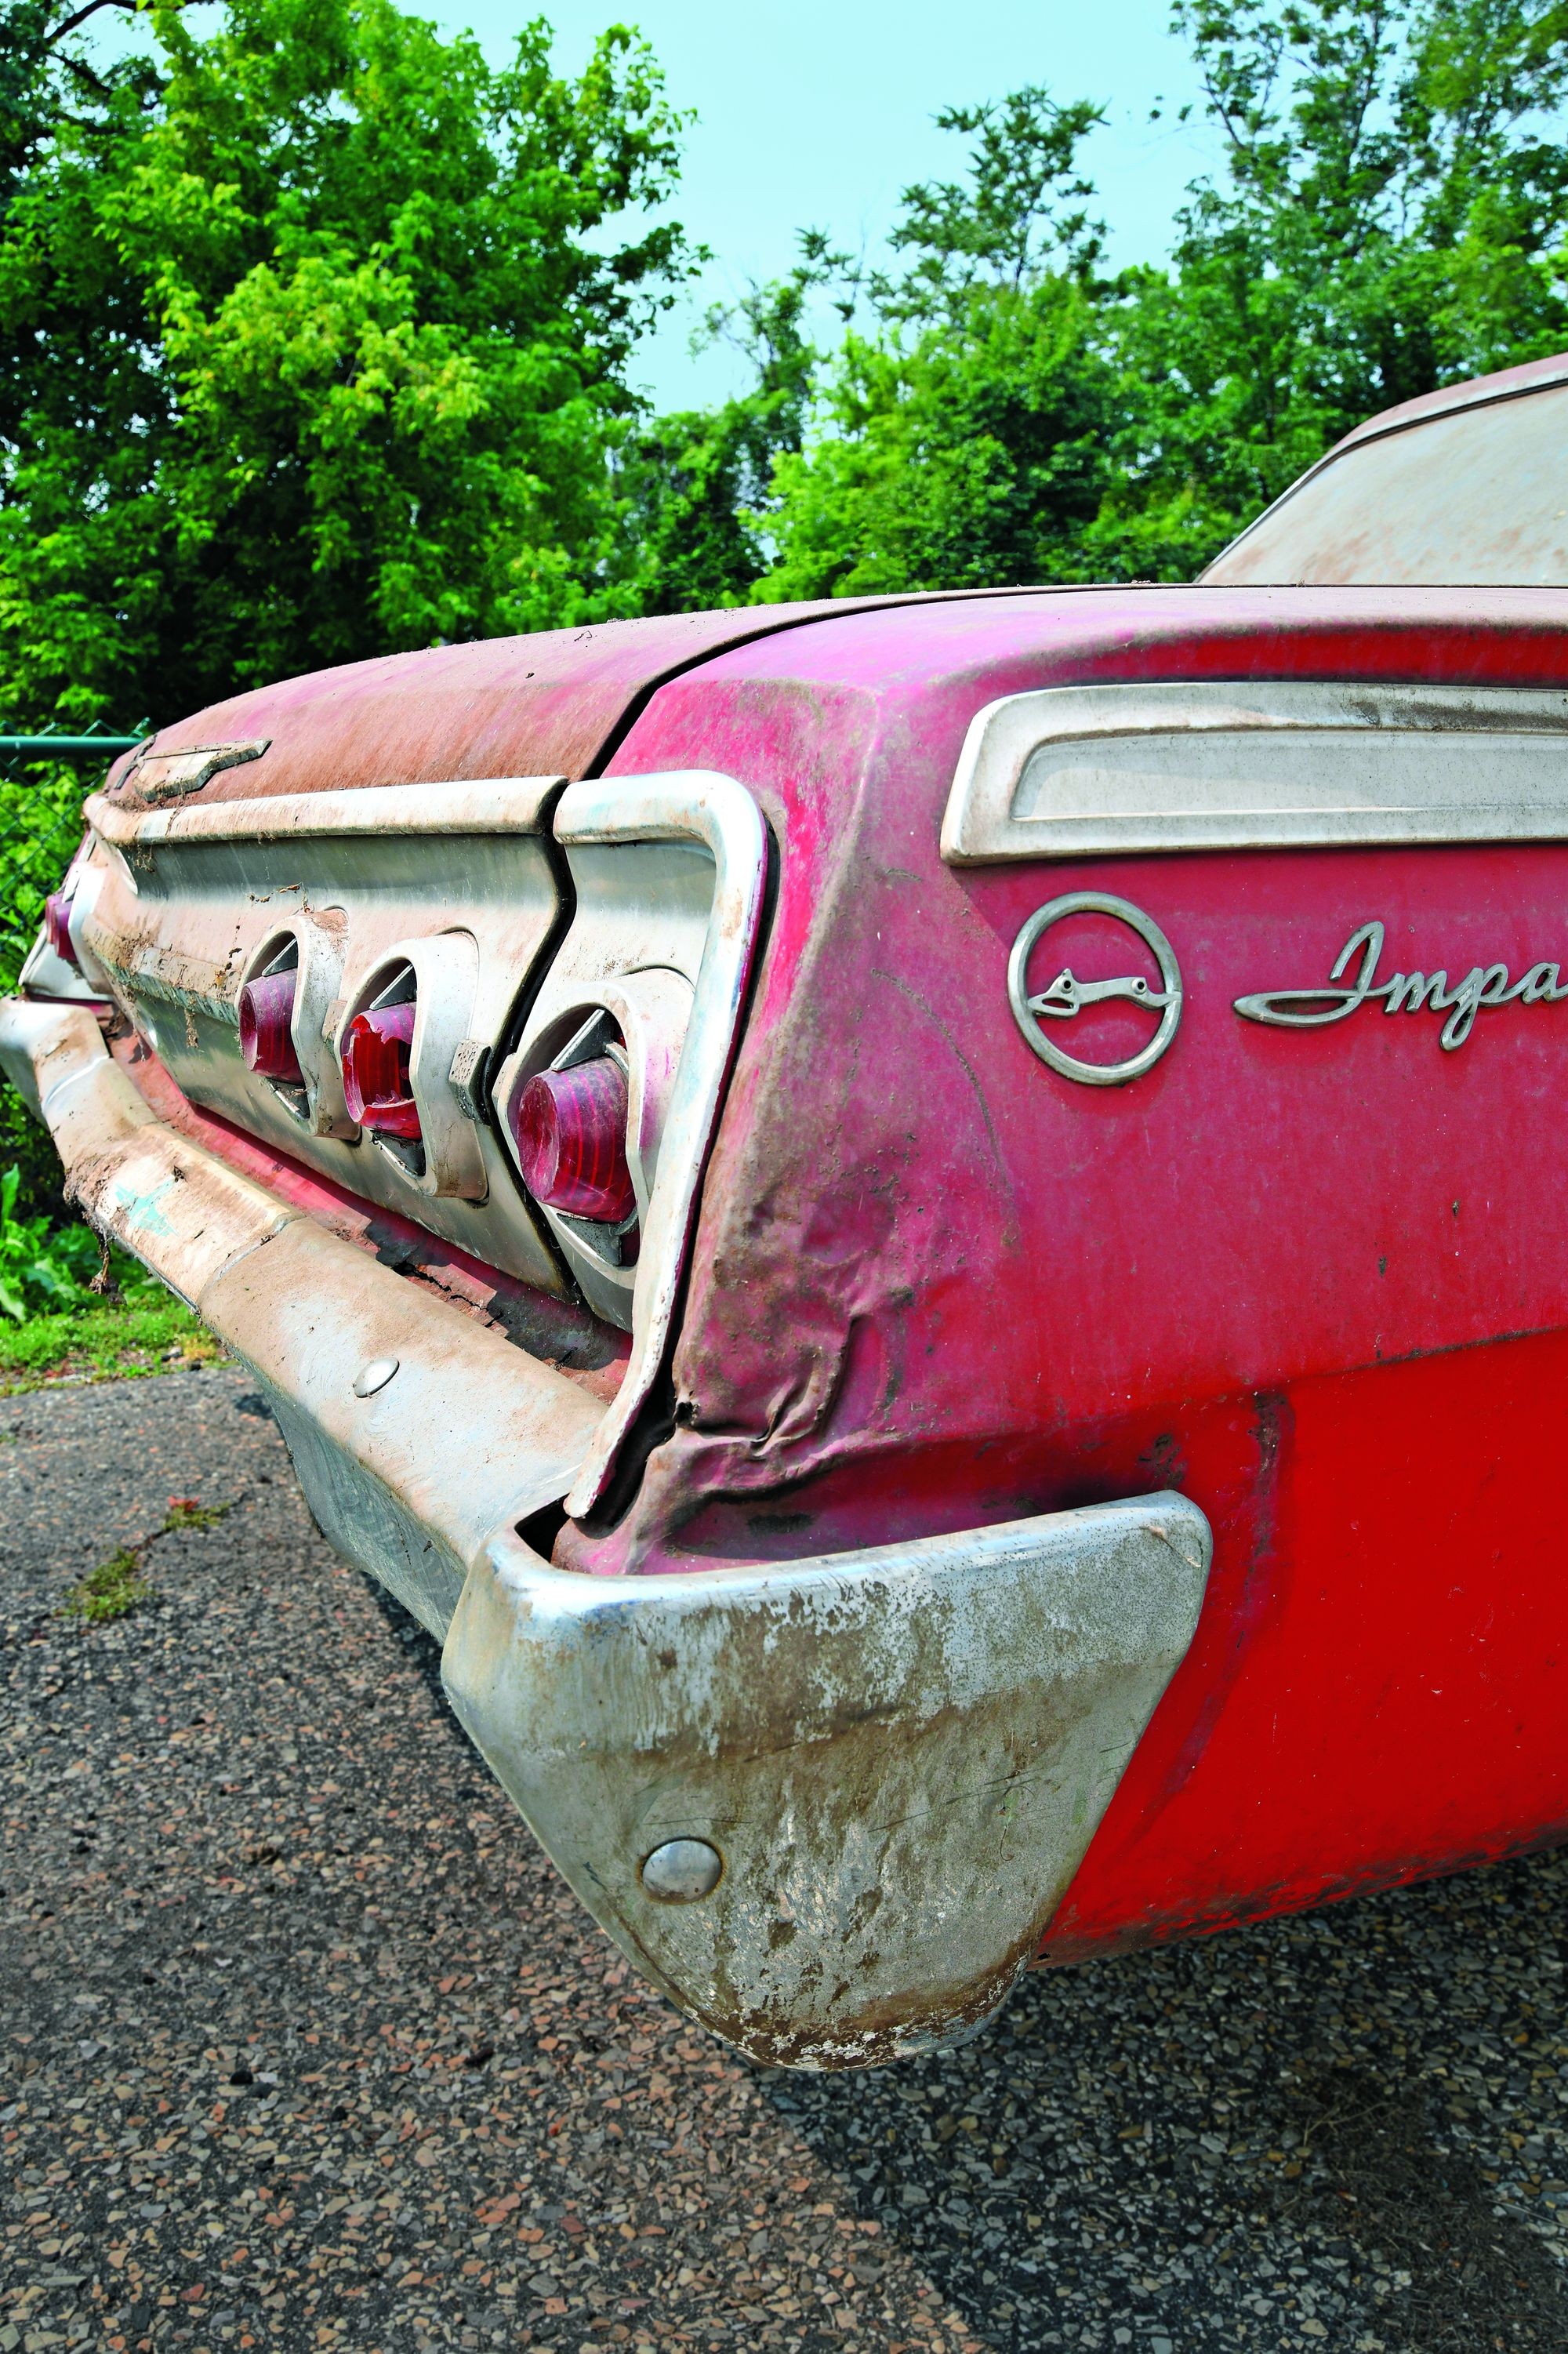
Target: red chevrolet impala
[(929, 1233)]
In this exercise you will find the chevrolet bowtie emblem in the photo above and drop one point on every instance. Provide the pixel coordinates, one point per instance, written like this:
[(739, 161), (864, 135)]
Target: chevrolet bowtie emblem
[(1067, 995)]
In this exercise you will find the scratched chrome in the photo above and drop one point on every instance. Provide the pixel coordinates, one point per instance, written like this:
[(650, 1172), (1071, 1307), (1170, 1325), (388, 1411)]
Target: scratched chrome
[(1093, 771), (176, 907), (898, 1756), (669, 871), (1485, 986), (310, 1316), (166, 776), (46, 974), (1067, 995)]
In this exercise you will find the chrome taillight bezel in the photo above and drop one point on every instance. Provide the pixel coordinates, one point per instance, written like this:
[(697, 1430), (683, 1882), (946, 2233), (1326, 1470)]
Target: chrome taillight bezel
[(671, 872), (655, 931)]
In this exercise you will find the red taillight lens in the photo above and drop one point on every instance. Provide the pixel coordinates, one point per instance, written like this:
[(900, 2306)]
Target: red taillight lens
[(571, 1141), (57, 928), (376, 1055), (266, 1007)]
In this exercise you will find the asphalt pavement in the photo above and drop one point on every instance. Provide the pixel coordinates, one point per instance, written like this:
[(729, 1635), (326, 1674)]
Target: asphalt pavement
[(305, 2044)]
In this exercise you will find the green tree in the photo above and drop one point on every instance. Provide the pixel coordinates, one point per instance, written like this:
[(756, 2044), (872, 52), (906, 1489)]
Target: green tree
[(972, 454), (315, 332), (699, 481), (1391, 217), (960, 433)]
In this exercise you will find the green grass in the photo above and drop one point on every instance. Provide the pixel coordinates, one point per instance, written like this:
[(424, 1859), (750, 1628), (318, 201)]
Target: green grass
[(111, 1589), (189, 1512), (102, 1343)]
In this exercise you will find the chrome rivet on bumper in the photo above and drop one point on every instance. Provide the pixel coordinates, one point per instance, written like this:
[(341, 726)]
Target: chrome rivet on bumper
[(374, 1376), (681, 1871)]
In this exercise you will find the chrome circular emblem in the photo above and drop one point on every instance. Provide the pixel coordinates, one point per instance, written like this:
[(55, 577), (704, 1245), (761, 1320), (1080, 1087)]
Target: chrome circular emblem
[(1067, 995)]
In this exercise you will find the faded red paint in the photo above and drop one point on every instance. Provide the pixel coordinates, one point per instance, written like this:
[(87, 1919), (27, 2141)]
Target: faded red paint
[(543, 705), (1316, 1280)]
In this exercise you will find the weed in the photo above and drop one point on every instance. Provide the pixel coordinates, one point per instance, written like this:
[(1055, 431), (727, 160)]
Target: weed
[(121, 1582), (190, 1512), (47, 1268), (111, 1589)]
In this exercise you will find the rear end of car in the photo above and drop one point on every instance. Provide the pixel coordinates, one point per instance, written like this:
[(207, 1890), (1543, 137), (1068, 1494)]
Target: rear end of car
[(921, 1233)]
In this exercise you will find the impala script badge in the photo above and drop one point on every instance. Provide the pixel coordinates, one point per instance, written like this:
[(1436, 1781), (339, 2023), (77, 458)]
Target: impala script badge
[(1067, 995), (1403, 993)]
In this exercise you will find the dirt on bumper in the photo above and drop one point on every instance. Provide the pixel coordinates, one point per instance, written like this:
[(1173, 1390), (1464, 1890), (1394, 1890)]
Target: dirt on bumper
[(829, 1805)]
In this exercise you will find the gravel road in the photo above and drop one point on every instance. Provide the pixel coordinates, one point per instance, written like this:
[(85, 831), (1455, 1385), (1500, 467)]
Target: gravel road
[(307, 2046)]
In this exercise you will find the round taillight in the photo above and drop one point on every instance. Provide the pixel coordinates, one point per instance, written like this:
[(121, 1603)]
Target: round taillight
[(57, 930), (375, 1057), (571, 1141), (266, 1042)]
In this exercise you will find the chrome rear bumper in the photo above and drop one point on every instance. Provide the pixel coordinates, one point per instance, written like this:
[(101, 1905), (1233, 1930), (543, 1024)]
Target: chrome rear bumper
[(469, 1435), (830, 1805)]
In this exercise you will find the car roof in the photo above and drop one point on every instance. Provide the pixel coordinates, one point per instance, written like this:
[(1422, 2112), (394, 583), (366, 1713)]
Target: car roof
[(1476, 392), (1237, 562)]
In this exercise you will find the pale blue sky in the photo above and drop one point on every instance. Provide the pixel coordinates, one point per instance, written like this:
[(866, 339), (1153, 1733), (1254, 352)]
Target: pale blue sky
[(819, 112)]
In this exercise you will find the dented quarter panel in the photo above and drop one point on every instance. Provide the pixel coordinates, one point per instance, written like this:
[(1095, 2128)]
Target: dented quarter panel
[(935, 1285)]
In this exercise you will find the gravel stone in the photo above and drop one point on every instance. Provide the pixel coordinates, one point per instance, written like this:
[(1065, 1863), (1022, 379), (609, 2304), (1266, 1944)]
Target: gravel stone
[(307, 2046)]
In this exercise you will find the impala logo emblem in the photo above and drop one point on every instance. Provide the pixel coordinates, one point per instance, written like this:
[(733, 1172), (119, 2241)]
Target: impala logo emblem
[(1403, 993), (1067, 996)]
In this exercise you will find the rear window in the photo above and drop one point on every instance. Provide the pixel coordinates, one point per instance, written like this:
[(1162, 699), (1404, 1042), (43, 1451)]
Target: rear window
[(1475, 499)]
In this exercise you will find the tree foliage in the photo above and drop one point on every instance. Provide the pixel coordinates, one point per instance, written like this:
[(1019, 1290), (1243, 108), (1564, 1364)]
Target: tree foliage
[(698, 481), (315, 333), (318, 332), (1391, 216), (959, 430)]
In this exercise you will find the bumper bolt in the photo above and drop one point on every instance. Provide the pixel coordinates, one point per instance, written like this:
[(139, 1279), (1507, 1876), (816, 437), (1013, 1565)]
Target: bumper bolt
[(681, 1871)]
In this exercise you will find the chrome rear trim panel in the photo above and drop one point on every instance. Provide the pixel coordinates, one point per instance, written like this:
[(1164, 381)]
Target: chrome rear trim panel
[(1107, 772), (482, 805), (174, 909), (716, 817), (182, 905)]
